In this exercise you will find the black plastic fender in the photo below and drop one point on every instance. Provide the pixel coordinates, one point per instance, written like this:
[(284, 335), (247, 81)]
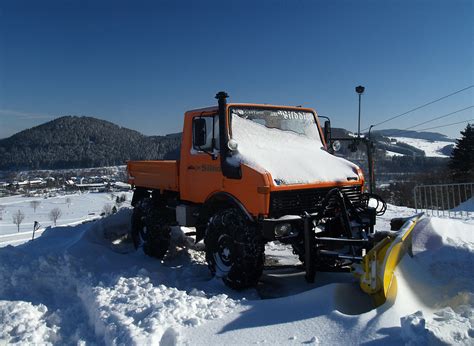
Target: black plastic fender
[(218, 201)]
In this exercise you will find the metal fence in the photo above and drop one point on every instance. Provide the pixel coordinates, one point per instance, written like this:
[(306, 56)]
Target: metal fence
[(444, 199)]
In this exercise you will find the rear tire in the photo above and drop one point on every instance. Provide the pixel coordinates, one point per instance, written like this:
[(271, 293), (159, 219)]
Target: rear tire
[(234, 249), (150, 225)]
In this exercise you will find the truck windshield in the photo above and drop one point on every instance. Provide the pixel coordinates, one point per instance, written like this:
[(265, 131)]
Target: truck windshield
[(295, 121)]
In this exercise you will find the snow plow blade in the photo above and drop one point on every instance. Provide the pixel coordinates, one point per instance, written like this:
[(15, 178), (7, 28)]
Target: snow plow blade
[(376, 272)]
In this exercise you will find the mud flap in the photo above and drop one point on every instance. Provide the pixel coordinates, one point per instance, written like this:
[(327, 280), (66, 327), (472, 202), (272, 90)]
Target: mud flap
[(376, 272)]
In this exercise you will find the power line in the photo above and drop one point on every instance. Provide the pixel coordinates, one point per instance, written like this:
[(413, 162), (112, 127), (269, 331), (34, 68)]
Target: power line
[(424, 105), (445, 125), (440, 117), (396, 132)]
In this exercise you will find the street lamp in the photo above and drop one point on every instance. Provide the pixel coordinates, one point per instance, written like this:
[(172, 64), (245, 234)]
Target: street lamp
[(360, 90)]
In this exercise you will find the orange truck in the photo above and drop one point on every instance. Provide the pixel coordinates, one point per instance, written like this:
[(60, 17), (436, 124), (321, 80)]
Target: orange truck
[(248, 174)]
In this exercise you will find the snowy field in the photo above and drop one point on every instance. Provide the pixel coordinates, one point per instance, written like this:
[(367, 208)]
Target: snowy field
[(80, 285), (431, 148), (75, 209), (392, 153)]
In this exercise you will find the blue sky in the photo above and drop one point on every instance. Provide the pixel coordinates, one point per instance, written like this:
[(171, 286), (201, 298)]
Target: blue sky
[(142, 64)]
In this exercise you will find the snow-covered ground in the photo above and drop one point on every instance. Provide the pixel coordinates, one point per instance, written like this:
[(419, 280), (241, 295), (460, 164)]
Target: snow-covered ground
[(75, 209), (392, 153), (431, 148), (79, 284), (467, 206)]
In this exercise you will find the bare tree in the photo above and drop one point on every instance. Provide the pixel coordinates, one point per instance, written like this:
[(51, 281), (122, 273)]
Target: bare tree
[(35, 205), (120, 200), (18, 218), (107, 209), (68, 201), (54, 215)]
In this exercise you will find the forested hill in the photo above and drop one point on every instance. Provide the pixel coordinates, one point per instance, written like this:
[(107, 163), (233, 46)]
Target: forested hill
[(71, 142)]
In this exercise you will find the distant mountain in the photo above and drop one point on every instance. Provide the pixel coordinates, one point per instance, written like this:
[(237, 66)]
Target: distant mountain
[(401, 142), (430, 136), (414, 143), (72, 142), (337, 132)]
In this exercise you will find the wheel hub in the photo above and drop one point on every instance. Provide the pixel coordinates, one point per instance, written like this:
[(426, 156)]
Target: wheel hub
[(223, 255)]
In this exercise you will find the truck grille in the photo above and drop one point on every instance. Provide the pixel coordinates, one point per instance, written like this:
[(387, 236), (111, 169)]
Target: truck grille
[(296, 202)]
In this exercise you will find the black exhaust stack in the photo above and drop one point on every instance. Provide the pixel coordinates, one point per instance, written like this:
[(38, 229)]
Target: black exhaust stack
[(228, 170)]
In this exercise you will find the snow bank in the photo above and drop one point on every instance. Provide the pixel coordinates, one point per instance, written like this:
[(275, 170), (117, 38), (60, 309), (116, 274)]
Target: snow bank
[(289, 157), (133, 310), (442, 274), (446, 327), (465, 206), (23, 322)]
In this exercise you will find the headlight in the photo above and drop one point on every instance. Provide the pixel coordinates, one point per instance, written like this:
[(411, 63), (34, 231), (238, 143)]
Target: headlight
[(282, 230)]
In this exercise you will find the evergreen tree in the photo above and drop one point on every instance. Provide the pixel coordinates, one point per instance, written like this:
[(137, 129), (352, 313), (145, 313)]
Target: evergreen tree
[(462, 158)]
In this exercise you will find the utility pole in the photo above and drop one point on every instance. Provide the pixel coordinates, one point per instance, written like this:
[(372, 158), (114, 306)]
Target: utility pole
[(370, 159), (360, 90), (368, 142), (354, 144)]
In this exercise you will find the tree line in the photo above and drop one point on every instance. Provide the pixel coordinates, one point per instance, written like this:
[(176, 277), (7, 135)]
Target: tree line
[(79, 142)]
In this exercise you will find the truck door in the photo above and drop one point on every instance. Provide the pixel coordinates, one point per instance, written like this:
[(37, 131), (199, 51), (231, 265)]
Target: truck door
[(202, 172)]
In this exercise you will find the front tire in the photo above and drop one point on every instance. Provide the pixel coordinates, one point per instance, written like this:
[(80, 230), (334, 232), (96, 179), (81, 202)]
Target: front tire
[(234, 249)]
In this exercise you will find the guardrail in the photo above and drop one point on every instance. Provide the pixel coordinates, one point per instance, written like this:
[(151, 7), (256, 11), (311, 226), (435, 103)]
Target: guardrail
[(444, 199)]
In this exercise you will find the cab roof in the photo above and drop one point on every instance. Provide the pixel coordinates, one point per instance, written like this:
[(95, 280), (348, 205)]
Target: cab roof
[(213, 109)]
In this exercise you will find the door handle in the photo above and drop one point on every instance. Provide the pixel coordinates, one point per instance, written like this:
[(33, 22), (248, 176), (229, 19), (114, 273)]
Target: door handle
[(191, 167)]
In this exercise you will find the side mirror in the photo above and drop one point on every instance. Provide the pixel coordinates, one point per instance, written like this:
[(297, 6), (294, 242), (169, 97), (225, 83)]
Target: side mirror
[(199, 132), (327, 131)]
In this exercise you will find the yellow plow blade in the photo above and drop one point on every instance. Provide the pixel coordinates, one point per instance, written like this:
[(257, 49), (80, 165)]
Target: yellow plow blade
[(376, 272)]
